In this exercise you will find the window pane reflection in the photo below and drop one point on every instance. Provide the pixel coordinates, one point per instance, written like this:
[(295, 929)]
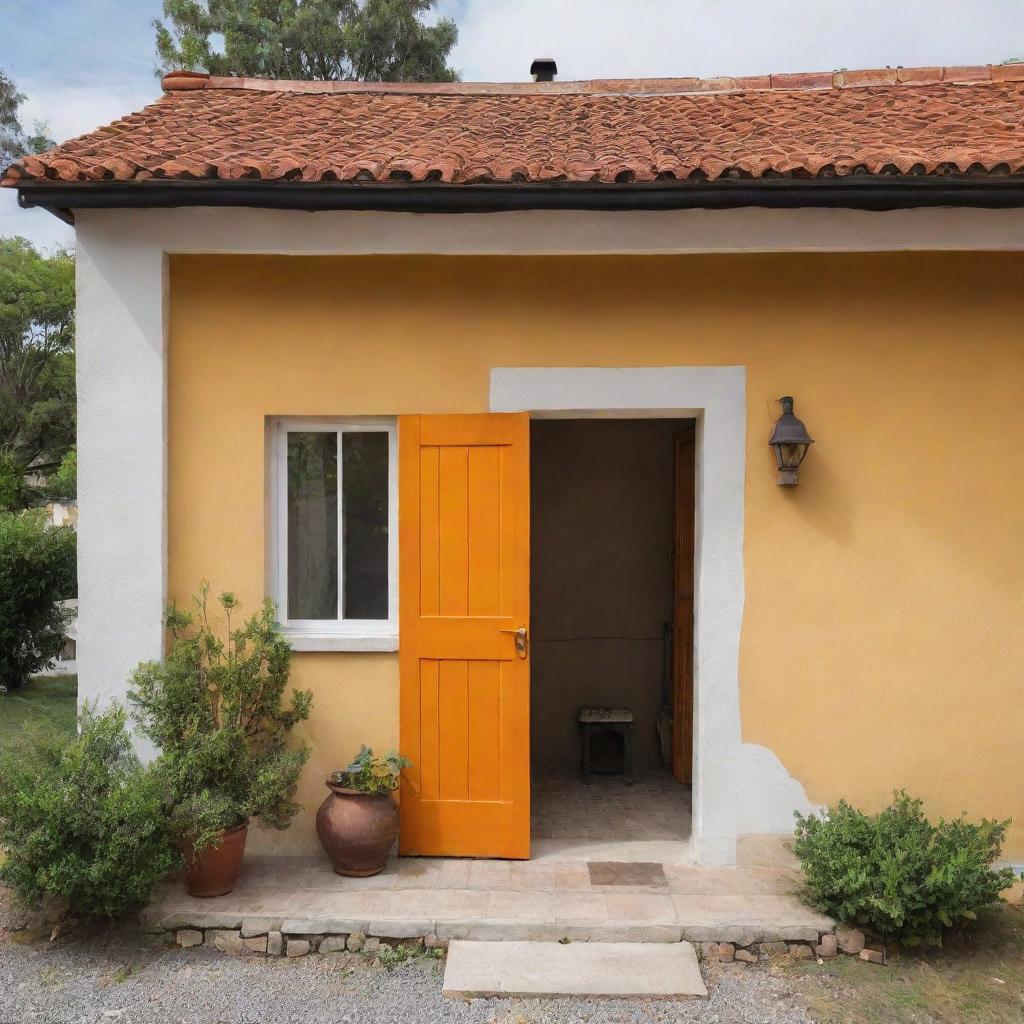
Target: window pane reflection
[(312, 525), (364, 483)]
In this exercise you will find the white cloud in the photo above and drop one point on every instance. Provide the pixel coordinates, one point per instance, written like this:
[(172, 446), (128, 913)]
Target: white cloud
[(659, 38), (68, 111), (41, 228), (74, 110), (499, 38)]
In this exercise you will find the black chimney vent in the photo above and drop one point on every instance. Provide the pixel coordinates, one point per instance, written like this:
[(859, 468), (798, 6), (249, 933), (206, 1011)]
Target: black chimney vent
[(544, 69)]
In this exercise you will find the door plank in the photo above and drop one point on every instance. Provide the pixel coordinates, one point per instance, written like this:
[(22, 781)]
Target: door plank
[(430, 540), (453, 730), (453, 530), (485, 728), (485, 531), (428, 764)]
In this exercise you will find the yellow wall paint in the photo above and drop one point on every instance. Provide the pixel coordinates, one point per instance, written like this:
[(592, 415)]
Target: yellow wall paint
[(883, 636)]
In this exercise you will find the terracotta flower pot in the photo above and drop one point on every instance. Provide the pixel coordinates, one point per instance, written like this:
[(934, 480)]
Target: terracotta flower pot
[(357, 830), (214, 871)]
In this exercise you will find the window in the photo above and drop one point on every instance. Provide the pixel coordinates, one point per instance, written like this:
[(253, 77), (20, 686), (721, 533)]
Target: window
[(335, 502)]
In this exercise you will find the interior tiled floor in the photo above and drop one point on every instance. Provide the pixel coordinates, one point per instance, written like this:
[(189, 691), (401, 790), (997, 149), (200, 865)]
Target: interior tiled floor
[(654, 808)]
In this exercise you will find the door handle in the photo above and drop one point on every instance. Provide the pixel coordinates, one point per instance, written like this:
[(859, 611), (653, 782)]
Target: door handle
[(520, 634)]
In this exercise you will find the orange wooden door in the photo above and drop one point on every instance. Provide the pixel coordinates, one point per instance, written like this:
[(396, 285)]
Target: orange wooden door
[(464, 589)]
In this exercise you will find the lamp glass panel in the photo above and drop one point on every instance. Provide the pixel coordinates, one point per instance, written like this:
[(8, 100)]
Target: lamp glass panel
[(793, 455)]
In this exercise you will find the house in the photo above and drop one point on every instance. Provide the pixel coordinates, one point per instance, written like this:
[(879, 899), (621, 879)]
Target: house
[(477, 381)]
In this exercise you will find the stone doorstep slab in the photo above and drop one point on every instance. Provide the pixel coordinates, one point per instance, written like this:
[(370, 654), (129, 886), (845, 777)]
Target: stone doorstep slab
[(737, 931), (502, 914), (486, 930), (620, 970)]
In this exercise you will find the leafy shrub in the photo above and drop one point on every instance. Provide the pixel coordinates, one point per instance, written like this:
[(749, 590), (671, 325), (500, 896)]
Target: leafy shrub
[(37, 569), (369, 774), (896, 874), (214, 708), (81, 820), (64, 483), (15, 491)]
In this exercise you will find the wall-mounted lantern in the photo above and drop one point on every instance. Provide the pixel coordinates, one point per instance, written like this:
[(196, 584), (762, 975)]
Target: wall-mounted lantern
[(790, 441)]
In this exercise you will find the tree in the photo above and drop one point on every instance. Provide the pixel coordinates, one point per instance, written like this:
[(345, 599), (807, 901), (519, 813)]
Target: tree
[(13, 140), (37, 365), (350, 40), (37, 570)]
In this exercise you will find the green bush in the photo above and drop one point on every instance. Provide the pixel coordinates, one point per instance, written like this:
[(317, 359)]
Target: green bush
[(37, 569), (15, 491), (215, 708), (81, 821), (896, 874), (64, 483)]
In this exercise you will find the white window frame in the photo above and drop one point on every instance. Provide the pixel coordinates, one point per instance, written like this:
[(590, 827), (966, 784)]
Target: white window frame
[(337, 634)]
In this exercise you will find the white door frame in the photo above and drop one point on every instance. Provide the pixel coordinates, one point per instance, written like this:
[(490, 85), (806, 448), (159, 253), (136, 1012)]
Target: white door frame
[(715, 396)]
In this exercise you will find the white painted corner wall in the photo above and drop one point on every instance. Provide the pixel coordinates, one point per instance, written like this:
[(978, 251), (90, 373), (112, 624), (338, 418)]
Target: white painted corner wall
[(122, 461)]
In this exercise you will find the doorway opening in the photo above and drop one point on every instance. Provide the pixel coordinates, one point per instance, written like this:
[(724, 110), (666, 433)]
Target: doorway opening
[(611, 707)]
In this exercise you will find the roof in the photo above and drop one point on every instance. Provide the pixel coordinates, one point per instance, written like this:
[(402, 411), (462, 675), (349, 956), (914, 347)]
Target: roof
[(932, 122)]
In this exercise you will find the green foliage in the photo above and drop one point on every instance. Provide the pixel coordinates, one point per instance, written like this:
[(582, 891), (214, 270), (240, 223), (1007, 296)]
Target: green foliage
[(361, 40), (895, 873), (392, 956), (81, 820), (44, 700), (37, 569), (64, 483), (37, 364), (15, 490), (215, 709), (369, 774), (14, 141)]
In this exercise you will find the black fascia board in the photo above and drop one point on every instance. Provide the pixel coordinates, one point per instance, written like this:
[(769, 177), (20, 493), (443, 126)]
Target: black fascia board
[(881, 192)]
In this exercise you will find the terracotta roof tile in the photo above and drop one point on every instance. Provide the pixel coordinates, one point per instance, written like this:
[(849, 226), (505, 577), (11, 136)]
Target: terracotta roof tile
[(882, 121)]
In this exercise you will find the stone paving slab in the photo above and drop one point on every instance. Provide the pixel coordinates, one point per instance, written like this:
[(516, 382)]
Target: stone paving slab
[(550, 969), (488, 900)]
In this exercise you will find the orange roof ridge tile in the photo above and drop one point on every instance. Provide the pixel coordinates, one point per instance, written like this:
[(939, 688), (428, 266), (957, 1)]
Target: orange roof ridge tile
[(177, 81)]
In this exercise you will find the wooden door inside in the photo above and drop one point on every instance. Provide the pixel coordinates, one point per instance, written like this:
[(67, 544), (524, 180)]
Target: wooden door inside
[(682, 652)]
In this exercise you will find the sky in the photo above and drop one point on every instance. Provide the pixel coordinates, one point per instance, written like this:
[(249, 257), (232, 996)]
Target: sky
[(83, 63)]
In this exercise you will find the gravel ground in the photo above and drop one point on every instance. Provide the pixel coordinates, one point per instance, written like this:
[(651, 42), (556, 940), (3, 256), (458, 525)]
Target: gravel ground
[(111, 975)]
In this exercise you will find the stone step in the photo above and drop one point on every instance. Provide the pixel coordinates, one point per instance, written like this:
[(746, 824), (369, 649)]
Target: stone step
[(498, 915), (620, 970)]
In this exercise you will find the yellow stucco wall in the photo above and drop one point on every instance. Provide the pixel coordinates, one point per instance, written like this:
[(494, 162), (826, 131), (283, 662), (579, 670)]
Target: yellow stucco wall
[(883, 635)]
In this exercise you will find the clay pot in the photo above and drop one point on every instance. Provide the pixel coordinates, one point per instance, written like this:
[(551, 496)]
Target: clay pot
[(357, 830), (214, 871)]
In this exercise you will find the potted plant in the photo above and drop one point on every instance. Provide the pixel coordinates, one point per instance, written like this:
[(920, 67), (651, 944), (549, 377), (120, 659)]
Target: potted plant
[(358, 823), (216, 710)]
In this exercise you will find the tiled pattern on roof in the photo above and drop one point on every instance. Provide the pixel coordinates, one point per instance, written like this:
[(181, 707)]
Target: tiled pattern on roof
[(892, 121)]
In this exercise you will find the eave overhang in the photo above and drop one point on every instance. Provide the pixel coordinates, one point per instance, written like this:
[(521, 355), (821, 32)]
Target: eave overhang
[(864, 192)]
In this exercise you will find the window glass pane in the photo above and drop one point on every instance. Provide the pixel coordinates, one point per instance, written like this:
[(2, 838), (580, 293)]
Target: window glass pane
[(312, 525), (364, 484)]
